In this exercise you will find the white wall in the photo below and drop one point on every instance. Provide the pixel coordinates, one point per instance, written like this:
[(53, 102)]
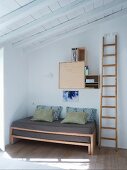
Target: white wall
[(44, 71), (15, 87), (2, 142)]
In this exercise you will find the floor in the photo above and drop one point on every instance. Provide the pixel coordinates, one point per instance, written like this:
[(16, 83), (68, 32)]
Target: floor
[(66, 156)]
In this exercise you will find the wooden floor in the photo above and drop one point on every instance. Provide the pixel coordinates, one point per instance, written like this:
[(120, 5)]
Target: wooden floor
[(102, 159)]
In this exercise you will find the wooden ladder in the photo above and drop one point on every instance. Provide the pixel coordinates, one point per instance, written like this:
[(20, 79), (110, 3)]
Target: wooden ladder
[(108, 97)]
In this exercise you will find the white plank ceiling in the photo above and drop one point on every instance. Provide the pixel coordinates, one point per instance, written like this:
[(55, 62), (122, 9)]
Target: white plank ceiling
[(33, 23)]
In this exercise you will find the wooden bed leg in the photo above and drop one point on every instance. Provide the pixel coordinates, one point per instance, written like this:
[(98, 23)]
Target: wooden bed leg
[(89, 149), (92, 144), (94, 140), (11, 137)]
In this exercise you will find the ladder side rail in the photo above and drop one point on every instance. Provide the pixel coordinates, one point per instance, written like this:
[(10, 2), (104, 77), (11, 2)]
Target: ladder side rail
[(101, 84), (116, 91)]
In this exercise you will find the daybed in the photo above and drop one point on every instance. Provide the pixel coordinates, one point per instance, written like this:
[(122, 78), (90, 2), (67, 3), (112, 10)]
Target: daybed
[(56, 132)]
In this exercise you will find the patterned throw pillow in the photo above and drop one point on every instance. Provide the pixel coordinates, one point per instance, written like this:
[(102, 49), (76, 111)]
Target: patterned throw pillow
[(56, 110), (92, 113)]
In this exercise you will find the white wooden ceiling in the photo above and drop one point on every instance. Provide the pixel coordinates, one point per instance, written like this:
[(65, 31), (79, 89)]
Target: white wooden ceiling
[(33, 23)]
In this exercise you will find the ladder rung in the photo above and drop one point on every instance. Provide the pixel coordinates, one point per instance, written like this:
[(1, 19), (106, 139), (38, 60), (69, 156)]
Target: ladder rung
[(108, 106), (108, 96), (105, 138), (108, 55), (108, 117), (111, 128), (108, 85), (106, 45), (109, 75), (109, 65)]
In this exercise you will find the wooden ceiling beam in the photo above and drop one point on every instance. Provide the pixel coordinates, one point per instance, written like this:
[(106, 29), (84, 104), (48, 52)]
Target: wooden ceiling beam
[(72, 23), (73, 32), (22, 12), (44, 19)]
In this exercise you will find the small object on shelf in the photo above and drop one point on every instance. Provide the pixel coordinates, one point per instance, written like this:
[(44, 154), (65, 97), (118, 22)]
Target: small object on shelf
[(89, 80), (74, 54), (86, 70), (92, 81)]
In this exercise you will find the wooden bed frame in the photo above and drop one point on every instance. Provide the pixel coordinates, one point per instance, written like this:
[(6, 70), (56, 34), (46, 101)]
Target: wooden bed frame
[(90, 145)]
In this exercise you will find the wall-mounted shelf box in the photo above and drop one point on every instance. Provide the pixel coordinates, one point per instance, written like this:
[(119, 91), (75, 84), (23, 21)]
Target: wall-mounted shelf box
[(92, 81), (71, 75), (81, 54)]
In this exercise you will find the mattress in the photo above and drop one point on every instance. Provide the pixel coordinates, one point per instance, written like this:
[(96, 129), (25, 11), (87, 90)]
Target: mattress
[(55, 126)]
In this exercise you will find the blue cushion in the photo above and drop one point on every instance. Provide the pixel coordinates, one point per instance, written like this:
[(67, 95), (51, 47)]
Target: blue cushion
[(55, 109), (92, 113)]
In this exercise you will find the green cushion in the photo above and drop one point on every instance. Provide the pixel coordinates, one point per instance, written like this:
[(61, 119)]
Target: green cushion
[(43, 115), (75, 117)]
